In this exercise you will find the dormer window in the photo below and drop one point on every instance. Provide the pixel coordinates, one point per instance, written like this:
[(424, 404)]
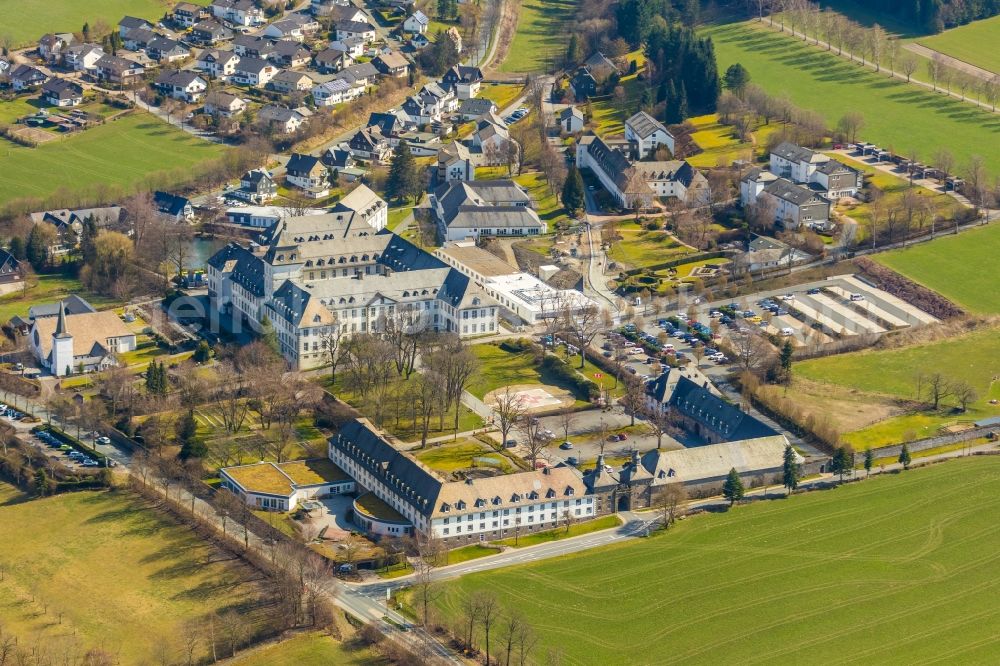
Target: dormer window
[(570, 490), (550, 493), (497, 500), (480, 503), (460, 505)]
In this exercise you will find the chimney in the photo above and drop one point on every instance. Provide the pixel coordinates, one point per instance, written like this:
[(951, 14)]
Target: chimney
[(600, 463), (546, 470)]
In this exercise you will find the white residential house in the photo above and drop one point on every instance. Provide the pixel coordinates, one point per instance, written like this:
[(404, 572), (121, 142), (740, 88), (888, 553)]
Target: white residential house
[(62, 93), (465, 81), (217, 63), (803, 166), (295, 27), (454, 162), (417, 23), (753, 183), (238, 12), (796, 205), (571, 120), (129, 23), (254, 72), (354, 47), (289, 81), (223, 104), (369, 144), (334, 92), (646, 134), (187, 14), (309, 174), (360, 29), (282, 118), (82, 57), (796, 163), (181, 84)]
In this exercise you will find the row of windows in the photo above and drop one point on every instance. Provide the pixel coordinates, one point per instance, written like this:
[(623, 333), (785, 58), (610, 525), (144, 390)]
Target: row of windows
[(553, 518)]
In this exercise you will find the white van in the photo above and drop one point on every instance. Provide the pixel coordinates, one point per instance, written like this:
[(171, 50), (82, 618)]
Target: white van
[(787, 331)]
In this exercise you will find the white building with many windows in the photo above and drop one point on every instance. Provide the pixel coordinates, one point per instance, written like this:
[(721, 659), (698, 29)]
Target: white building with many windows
[(414, 500), (317, 275)]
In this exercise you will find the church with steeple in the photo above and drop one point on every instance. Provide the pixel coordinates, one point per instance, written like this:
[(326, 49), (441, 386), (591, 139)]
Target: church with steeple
[(69, 344)]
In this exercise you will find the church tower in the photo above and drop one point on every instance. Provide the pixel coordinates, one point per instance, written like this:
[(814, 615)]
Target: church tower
[(62, 347)]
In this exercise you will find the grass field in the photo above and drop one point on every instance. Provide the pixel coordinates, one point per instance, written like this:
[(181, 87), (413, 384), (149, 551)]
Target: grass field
[(502, 94), (975, 43), (499, 368), (640, 247), (106, 571), (48, 288), (892, 374), (547, 206), (894, 570), (534, 48), (958, 267), (121, 152), (719, 144), (308, 650), (25, 21), (898, 115)]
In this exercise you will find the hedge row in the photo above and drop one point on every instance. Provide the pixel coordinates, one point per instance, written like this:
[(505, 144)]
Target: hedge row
[(582, 386)]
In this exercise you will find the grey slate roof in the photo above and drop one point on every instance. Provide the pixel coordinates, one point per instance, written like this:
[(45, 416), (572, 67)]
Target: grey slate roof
[(645, 125), (792, 152), (712, 412), (790, 192), (73, 304)]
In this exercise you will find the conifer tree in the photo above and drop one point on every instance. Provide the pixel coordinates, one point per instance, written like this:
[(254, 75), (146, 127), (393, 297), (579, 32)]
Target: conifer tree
[(733, 489)]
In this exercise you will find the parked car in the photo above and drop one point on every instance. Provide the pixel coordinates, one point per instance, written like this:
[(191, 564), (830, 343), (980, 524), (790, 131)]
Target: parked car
[(566, 446), (813, 291), (572, 461), (857, 297), (103, 440)]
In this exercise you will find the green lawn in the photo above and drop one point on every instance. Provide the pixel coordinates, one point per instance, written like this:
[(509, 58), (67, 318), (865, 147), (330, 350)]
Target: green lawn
[(973, 358), (48, 289), (975, 43), (536, 45), (397, 215), (108, 572), (470, 552), (547, 206), (578, 529), (640, 247), (309, 650), (502, 94), (899, 569), (897, 115), (719, 144), (499, 368), (122, 152), (961, 267), (464, 454), (25, 21)]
